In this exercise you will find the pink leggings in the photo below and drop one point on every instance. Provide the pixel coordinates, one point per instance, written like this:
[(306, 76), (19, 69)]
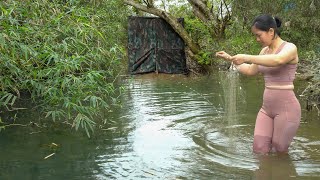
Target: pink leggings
[(277, 121)]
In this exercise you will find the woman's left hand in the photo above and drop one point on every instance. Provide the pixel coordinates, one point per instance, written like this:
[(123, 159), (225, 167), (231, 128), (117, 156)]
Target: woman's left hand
[(238, 59), (224, 55)]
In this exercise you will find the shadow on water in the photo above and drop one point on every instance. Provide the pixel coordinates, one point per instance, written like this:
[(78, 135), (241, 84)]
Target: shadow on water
[(169, 127)]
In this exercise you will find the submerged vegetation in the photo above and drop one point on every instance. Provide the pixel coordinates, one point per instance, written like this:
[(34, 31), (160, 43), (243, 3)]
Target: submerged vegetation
[(65, 54)]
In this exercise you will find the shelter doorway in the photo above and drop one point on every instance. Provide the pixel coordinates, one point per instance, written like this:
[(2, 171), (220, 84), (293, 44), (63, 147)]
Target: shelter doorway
[(153, 46)]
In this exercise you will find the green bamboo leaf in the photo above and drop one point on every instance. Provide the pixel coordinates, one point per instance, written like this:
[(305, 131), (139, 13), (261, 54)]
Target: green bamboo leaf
[(13, 100), (48, 114), (8, 98)]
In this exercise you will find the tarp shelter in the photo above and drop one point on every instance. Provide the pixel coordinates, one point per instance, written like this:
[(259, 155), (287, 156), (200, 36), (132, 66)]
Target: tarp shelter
[(153, 46)]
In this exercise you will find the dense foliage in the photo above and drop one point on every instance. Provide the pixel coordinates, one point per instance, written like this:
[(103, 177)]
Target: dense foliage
[(65, 54), (301, 19)]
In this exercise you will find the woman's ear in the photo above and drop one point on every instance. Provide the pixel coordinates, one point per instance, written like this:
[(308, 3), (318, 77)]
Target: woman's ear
[(271, 31)]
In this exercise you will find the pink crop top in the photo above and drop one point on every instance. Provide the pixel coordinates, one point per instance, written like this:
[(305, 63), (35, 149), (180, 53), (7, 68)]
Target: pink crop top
[(280, 75)]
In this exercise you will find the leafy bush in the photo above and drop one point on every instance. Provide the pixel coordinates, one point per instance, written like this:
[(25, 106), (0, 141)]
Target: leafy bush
[(312, 92), (66, 54)]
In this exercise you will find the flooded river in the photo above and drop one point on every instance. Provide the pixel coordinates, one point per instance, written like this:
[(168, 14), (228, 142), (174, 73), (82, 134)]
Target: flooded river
[(169, 127)]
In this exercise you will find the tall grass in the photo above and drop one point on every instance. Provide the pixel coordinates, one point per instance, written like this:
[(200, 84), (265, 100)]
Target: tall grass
[(66, 54)]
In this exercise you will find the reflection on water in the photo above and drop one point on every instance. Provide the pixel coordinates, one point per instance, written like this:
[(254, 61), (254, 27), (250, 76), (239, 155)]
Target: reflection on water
[(169, 127), (275, 167)]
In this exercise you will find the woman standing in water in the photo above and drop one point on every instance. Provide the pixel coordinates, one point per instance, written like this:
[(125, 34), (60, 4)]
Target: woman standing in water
[(279, 117)]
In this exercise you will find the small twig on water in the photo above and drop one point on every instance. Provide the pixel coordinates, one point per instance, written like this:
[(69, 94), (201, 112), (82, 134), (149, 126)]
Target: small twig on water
[(35, 132), (8, 125), (49, 156), (148, 172)]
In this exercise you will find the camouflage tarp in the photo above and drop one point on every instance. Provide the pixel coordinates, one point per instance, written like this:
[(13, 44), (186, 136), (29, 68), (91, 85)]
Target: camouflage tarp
[(153, 46)]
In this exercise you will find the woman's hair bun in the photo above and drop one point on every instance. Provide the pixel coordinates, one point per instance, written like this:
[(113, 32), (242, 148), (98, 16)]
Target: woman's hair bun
[(278, 22)]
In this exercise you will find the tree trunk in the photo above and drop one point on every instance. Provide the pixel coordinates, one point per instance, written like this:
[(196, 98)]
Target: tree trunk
[(215, 21)]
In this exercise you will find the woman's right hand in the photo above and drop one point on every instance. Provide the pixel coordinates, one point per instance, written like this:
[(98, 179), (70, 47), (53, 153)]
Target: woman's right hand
[(224, 55)]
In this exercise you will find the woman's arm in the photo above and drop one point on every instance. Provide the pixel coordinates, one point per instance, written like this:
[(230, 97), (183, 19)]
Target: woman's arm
[(287, 54), (244, 68), (249, 69)]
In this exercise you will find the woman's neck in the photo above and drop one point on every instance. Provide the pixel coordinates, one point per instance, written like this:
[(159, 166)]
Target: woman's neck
[(275, 44)]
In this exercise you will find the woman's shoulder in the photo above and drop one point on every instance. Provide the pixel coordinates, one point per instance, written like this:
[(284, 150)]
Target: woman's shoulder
[(291, 50), (290, 45)]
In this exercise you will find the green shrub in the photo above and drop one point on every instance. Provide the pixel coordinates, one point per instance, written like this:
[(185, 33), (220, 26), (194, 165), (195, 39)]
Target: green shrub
[(66, 54)]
